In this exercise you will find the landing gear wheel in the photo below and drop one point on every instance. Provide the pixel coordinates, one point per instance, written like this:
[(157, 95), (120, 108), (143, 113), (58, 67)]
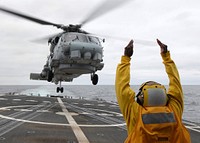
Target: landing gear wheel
[(49, 76), (94, 79), (59, 89)]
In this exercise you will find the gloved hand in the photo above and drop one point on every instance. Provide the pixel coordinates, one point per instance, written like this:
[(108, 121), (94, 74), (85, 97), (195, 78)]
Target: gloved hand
[(128, 50), (163, 47)]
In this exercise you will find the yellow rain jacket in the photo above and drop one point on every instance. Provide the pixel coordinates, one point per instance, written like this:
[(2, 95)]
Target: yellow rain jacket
[(140, 128)]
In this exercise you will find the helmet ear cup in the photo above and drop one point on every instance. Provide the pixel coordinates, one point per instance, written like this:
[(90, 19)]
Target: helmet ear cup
[(138, 100)]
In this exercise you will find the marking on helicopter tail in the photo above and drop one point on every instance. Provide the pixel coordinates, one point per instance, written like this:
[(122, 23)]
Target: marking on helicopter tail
[(75, 127)]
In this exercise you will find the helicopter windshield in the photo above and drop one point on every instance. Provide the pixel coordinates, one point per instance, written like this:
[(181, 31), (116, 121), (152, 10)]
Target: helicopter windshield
[(94, 40), (70, 37), (75, 37)]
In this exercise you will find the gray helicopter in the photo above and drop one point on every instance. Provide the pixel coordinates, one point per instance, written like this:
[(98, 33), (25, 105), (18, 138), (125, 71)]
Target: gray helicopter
[(74, 51), (71, 55)]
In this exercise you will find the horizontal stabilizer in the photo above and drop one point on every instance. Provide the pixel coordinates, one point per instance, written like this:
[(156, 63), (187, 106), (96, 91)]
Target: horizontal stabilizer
[(37, 76)]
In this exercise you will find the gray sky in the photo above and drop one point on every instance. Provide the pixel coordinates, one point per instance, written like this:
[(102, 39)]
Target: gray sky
[(174, 22)]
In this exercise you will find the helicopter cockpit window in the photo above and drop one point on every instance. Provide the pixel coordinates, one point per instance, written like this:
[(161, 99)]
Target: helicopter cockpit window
[(94, 40), (82, 38), (70, 37), (75, 37)]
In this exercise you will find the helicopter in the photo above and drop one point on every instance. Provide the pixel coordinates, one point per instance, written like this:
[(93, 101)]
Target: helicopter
[(71, 55), (74, 51)]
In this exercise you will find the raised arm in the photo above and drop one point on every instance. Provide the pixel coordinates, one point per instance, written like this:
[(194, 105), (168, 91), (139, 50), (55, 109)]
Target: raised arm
[(125, 95), (175, 89)]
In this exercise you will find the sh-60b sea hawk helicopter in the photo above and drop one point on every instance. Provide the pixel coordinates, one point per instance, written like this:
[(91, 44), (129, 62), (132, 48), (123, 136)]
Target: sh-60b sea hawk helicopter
[(72, 54), (74, 51)]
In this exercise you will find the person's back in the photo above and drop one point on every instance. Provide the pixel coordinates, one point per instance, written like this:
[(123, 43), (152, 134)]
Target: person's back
[(157, 114)]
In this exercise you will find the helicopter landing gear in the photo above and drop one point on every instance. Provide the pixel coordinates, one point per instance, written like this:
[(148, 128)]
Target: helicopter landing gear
[(60, 89), (49, 76), (94, 78)]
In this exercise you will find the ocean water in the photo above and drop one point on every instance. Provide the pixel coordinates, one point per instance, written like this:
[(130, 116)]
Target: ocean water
[(107, 93)]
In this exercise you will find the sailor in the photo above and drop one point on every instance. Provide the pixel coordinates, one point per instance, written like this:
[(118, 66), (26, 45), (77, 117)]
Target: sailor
[(153, 115)]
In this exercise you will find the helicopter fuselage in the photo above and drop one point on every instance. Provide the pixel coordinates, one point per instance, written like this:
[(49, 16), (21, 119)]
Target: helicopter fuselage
[(71, 55)]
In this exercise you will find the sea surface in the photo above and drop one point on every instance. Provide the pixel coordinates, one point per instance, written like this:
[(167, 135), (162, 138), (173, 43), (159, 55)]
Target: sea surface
[(105, 92)]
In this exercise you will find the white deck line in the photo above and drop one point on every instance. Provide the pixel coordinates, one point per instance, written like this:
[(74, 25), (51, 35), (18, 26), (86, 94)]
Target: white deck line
[(76, 129)]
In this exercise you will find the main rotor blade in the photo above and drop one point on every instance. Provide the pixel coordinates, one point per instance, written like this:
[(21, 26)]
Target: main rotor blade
[(137, 41), (45, 39), (28, 17), (103, 8)]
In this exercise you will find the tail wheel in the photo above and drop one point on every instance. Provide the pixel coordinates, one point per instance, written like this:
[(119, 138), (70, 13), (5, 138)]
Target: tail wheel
[(59, 89), (95, 79)]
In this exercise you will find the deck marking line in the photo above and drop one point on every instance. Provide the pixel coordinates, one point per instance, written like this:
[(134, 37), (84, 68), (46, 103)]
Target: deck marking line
[(192, 128), (75, 127)]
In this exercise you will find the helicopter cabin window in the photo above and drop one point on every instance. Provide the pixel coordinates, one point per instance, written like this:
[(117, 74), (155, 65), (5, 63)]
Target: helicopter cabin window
[(75, 37), (94, 40)]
